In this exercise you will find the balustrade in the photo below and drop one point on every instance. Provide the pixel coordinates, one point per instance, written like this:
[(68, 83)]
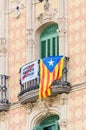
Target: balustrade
[(3, 89), (34, 84)]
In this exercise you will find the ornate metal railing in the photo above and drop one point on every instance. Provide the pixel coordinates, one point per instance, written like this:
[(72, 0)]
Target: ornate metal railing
[(3, 89), (34, 84)]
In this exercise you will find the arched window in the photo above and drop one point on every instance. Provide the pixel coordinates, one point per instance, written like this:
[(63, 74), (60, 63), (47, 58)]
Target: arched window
[(49, 45), (50, 123)]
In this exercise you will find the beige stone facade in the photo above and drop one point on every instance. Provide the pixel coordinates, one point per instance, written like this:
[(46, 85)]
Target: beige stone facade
[(20, 27)]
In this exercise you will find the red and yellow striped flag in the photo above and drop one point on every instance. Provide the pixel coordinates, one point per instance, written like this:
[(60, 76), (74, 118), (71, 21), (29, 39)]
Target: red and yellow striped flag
[(50, 70)]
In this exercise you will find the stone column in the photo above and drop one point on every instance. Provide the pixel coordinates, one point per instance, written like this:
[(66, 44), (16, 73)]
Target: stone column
[(30, 35), (28, 108), (61, 32), (3, 121), (3, 51), (29, 14), (30, 45), (62, 22), (3, 35), (32, 14), (85, 74), (63, 119), (63, 125), (62, 8), (2, 18)]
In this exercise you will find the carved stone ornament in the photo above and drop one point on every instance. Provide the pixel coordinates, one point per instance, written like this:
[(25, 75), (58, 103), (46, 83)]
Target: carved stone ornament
[(64, 98), (2, 116), (85, 71), (63, 123), (61, 22), (30, 40), (44, 106), (28, 107), (47, 15), (16, 7), (3, 49), (46, 4), (85, 75), (29, 31), (2, 40)]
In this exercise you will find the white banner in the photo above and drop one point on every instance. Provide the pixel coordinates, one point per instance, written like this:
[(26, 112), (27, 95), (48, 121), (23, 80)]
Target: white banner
[(29, 72)]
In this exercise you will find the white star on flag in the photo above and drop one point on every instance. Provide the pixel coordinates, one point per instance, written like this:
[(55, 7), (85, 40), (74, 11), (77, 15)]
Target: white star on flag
[(51, 62)]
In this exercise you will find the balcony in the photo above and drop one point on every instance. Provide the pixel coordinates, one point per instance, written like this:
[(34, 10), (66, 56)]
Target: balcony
[(4, 105), (30, 89)]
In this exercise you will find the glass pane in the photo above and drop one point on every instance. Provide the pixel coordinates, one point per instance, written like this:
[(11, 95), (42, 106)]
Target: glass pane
[(48, 128)]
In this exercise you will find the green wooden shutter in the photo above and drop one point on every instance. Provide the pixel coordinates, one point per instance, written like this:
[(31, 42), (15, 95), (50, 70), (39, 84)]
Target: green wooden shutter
[(43, 48), (38, 128), (56, 126), (53, 127), (51, 121), (49, 45)]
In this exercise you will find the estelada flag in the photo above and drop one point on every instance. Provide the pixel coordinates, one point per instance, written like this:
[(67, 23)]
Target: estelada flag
[(50, 70)]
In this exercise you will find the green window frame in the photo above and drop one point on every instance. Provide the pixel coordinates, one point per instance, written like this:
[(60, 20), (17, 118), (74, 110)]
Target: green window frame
[(50, 122), (49, 41)]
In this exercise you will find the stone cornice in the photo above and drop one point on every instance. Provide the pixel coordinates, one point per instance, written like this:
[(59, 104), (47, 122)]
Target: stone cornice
[(15, 105), (78, 87)]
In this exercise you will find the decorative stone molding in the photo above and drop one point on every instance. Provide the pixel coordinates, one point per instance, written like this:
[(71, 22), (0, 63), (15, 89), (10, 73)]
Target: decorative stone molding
[(29, 36), (47, 15), (2, 40), (2, 116), (63, 99), (46, 4), (85, 73), (30, 42), (61, 22), (29, 31), (28, 107), (44, 106), (56, 99), (78, 87), (16, 7), (63, 123), (3, 49)]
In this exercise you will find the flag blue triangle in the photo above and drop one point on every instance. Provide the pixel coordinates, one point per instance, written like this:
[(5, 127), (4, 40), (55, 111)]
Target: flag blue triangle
[(51, 62)]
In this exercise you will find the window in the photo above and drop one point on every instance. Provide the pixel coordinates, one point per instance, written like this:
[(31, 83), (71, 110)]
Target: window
[(50, 123), (49, 45)]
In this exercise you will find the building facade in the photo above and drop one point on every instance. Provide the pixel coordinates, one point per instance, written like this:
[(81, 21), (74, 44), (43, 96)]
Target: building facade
[(30, 30)]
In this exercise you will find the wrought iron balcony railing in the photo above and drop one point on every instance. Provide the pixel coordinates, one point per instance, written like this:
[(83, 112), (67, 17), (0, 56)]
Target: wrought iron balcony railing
[(3, 93), (58, 86)]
